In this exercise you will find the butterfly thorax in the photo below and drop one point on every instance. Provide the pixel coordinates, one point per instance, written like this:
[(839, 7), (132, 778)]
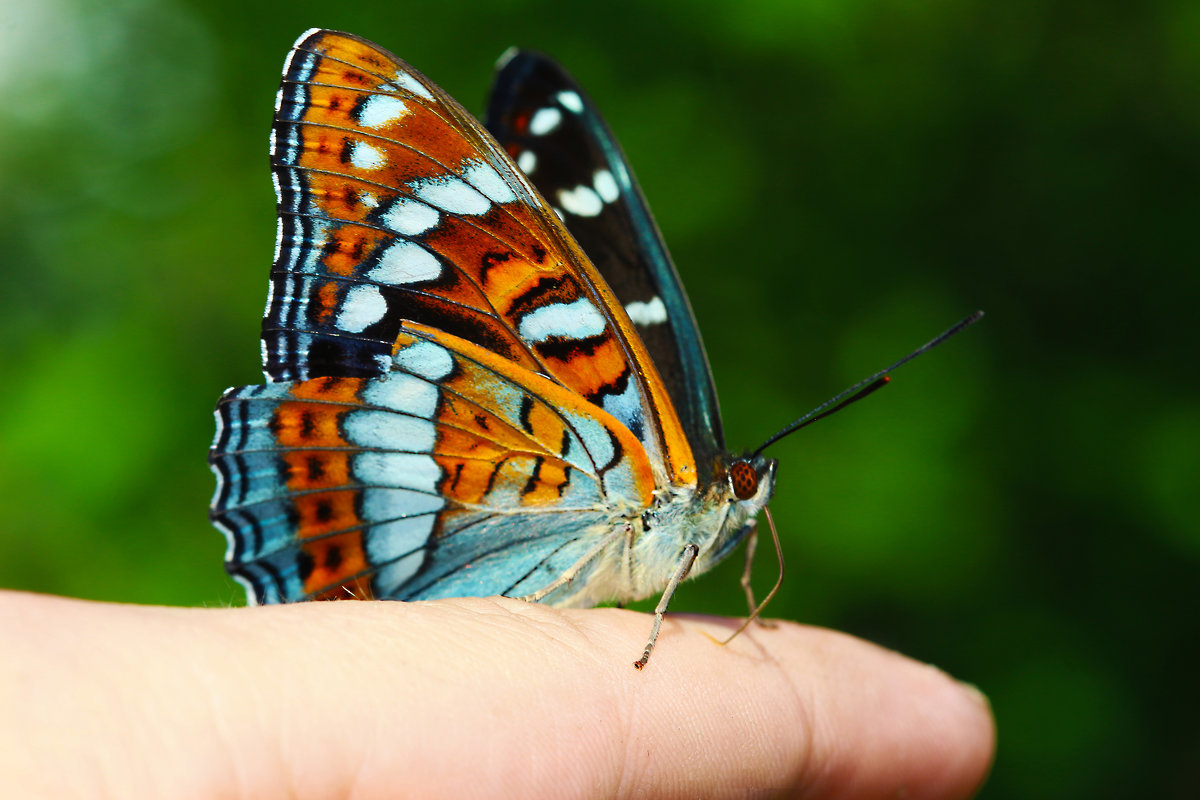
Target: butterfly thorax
[(715, 516)]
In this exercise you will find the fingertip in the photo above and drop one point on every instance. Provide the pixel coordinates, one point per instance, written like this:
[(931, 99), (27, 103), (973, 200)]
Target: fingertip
[(971, 724), (796, 708), (888, 726)]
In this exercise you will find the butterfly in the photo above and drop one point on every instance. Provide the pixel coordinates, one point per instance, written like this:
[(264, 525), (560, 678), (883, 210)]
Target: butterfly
[(483, 376)]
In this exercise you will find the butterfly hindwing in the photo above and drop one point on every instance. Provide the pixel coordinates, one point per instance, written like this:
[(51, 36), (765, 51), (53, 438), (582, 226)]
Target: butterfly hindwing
[(557, 137), (457, 473), (395, 206)]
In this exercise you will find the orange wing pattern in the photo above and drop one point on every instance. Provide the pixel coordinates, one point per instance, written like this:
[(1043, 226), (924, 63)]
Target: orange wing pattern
[(407, 486), (396, 206)]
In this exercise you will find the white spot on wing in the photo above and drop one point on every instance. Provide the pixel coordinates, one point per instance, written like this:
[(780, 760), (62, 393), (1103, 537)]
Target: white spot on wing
[(397, 548), (405, 262), (405, 393), (577, 320), (544, 120), (371, 428), (651, 312), (402, 470), (385, 505), (488, 181), (381, 110), (395, 540), (452, 195), (307, 59), (362, 307), (298, 101), (580, 201), (527, 161), (293, 148), (426, 360), (606, 187), (278, 188), (570, 101), (408, 82), (366, 156), (410, 217)]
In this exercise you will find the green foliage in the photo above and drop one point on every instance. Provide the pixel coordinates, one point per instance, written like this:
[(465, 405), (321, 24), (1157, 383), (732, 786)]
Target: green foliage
[(837, 180)]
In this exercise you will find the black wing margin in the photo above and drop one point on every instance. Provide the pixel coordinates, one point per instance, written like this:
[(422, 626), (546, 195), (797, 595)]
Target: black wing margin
[(552, 130)]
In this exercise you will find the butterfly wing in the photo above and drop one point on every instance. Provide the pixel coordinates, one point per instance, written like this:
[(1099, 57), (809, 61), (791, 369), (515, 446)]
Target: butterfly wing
[(549, 126), (394, 206), (459, 473), (458, 405)]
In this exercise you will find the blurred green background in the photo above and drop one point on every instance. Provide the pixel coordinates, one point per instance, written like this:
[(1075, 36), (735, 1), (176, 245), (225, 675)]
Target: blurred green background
[(837, 179)]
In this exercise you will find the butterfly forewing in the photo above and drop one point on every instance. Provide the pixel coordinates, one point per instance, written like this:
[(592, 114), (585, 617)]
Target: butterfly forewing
[(396, 206), (380, 219), (555, 134)]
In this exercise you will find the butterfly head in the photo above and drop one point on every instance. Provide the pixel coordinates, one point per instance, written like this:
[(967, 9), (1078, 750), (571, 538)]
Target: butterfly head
[(750, 477), (743, 484)]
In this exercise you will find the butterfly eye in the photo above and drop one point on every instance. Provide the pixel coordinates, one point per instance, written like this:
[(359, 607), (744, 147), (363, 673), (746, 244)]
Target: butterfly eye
[(744, 480)]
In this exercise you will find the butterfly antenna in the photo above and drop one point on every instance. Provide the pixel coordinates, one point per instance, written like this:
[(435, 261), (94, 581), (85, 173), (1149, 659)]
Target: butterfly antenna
[(867, 386)]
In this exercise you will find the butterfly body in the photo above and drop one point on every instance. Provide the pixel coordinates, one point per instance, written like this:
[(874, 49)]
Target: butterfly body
[(459, 401)]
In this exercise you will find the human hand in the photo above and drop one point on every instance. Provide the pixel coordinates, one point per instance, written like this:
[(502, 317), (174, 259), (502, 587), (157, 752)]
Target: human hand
[(464, 698)]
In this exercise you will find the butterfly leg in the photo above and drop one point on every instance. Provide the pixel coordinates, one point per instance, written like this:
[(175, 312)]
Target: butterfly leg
[(751, 546), (681, 570)]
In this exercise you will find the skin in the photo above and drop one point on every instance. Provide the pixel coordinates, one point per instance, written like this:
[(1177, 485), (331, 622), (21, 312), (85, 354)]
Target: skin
[(465, 698)]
